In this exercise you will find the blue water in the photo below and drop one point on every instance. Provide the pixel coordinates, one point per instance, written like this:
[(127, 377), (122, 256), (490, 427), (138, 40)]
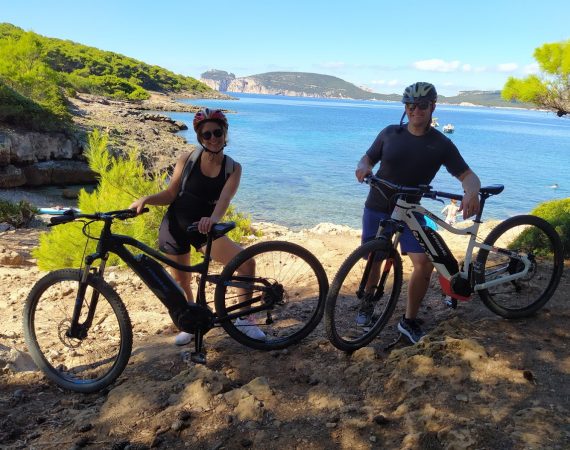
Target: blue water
[(299, 155)]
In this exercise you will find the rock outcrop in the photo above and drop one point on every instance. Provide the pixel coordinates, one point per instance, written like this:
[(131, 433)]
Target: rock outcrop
[(33, 159)]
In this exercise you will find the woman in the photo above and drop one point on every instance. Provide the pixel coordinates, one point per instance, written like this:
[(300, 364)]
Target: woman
[(200, 194)]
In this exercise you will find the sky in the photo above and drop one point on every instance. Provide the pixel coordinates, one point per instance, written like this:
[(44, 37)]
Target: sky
[(382, 45)]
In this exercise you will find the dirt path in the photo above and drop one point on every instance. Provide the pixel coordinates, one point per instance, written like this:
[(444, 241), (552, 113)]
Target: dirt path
[(477, 382)]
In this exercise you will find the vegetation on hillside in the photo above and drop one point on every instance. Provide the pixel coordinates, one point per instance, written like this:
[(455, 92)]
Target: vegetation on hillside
[(37, 73), (551, 88), (217, 75), (18, 110), (121, 181), (313, 84)]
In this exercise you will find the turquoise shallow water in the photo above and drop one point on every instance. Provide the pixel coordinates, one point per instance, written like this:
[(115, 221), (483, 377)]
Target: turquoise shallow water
[(299, 155)]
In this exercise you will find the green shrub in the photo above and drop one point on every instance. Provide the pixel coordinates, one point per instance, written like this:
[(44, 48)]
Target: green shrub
[(557, 213), (121, 181), (16, 214)]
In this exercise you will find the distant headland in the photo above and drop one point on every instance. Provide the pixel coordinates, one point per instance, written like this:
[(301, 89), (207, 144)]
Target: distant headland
[(304, 84)]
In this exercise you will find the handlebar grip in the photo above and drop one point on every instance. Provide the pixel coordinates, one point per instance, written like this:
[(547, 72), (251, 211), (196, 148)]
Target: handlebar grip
[(57, 220)]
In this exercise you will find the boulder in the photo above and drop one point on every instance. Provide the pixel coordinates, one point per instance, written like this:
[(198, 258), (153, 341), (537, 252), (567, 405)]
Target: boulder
[(59, 173), (11, 176)]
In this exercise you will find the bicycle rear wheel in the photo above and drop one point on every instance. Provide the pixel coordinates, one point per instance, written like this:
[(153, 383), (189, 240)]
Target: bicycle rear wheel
[(346, 296), (91, 362), (289, 288), (528, 236)]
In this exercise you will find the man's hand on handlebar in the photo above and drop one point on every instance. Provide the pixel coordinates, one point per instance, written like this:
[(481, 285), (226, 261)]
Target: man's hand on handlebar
[(363, 168)]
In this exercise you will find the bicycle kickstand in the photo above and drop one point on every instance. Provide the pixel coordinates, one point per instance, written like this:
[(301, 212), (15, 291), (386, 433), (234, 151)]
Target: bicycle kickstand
[(199, 356)]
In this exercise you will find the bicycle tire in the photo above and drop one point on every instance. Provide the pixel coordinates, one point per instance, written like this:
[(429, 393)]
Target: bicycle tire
[(532, 236), (300, 281), (343, 301), (81, 365)]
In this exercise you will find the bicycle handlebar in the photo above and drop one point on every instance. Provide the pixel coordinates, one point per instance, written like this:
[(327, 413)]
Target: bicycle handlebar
[(423, 190), (70, 215)]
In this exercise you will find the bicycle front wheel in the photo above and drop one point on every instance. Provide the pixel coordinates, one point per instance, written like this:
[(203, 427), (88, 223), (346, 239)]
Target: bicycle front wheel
[(101, 349), (347, 297), (278, 306), (523, 236)]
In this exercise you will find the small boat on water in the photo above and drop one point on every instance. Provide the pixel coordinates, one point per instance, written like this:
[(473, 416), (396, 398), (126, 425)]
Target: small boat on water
[(434, 122), (449, 128)]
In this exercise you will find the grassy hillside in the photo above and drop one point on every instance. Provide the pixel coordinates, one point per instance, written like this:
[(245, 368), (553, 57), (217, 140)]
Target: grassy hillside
[(486, 98), (47, 70), (17, 110)]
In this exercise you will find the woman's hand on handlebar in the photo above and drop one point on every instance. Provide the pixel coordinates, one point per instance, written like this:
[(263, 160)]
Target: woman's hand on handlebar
[(138, 205)]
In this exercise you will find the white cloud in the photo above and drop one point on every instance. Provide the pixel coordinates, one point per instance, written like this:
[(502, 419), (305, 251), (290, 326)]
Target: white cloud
[(437, 65), (531, 69), (507, 67)]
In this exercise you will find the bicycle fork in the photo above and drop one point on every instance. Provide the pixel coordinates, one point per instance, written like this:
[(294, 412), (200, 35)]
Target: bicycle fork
[(373, 280), (77, 330)]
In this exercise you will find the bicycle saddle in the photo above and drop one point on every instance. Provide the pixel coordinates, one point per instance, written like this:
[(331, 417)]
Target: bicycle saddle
[(494, 189), (218, 229)]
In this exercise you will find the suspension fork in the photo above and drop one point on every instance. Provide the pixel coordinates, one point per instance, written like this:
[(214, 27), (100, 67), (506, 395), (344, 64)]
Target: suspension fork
[(379, 285), (77, 330)]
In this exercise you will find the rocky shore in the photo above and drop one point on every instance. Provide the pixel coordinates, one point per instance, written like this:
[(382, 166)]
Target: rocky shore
[(32, 159)]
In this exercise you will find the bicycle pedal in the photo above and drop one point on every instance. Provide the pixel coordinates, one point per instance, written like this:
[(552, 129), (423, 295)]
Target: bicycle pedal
[(198, 357), (450, 302)]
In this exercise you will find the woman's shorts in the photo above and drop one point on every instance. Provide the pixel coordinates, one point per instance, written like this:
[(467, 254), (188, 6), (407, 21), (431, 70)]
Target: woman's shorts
[(370, 222), (172, 240)]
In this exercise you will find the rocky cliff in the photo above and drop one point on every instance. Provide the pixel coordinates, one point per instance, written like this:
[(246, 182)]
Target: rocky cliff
[(34, 159), (298, 84)]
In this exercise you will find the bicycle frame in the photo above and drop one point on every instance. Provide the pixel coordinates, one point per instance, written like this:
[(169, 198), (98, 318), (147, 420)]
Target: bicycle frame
[(405, 212)]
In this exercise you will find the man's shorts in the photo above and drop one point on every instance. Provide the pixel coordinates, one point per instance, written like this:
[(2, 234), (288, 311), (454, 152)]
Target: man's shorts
[(371, 220)]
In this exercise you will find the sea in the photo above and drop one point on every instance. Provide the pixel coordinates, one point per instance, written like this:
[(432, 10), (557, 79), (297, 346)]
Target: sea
[(299, 155)]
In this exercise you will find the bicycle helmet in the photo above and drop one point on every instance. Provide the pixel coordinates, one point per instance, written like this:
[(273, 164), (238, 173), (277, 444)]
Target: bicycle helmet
[(419, 91), (210, 115)]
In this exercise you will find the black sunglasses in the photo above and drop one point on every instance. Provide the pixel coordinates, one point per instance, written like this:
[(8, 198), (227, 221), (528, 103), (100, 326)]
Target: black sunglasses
[(207, 135), (422, 105)]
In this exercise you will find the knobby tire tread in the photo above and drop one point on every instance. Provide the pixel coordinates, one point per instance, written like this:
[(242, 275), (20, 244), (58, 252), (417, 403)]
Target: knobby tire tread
[(268, 247), (335, 288), (119, 310), (556, 243)]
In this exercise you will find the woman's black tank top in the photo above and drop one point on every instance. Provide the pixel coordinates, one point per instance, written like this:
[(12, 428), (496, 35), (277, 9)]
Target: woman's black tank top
[(200, 195)]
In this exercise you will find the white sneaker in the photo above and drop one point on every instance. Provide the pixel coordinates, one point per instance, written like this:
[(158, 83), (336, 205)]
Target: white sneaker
[(183, 338), (249, 328)]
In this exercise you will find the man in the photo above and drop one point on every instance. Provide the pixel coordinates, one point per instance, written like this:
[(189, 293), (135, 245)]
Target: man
[(411, 154)]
